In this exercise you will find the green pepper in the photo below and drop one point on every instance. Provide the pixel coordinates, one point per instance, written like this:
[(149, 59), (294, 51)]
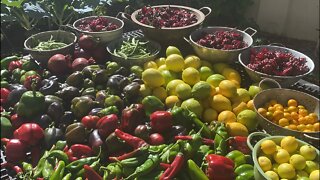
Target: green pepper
[(220, 140), (180, 117), (79, 178), (60, 145), (152, 162), (28, 65), (31, 104), (4, 74), (244, 172), (4, 84), (78, 164), (89, 91), (152, 104), (6, 61), (134, 161), (205, 131), (195, 172), (113, 170), (60, 155), (58, 173), (107, 111), (16, 74), (81, 106), (27, 74), (38, 169), (6, 127), (237, 157), (67, 177), (47, 169)]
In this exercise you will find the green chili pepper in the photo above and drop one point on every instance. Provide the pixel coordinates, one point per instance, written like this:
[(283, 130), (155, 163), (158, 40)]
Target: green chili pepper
[(220, 140), (40, 165), (155, 174), (205, 131), (27, 167), (133, 162), (60, 155), (58, 173), (157, 149), (78, 164), (127, 171), (195, 172), (47, 170), (67, 177), (79, 178), (146, 167), (60, 145), (95, 165)]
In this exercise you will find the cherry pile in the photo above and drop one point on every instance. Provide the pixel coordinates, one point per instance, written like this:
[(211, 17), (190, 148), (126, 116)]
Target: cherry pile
[(97, 25), (225, 40), (160, 17), (277, 63)]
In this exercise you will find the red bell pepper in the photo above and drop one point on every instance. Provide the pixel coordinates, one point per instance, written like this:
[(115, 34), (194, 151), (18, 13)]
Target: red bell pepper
[(33, 80), (29, 133), (107, 124), (239, 143), (90, 173), (219, 167), (17, 121), (90, 121), (161, 121), (133, 141), (4, 95), (15, 150), (174, 168), (14, 65), (131, 117)]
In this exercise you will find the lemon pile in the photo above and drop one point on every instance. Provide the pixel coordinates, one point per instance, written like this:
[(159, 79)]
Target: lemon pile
[(212, 92), (287, 160)]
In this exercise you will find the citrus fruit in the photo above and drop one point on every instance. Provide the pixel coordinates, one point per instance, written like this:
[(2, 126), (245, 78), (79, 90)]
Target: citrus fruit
[(281, 156), (231, 74), (172, 101), (206, 103), (192, 61), (206, 63), (172, 50), (250, 105), (193, 105), (275, 167), (152, 78), (311, 166), (301, 173), (289, 143), (209, 115), (236, 129), (228, 89), (272, 175), (242, 96), (238, 107), (298, 161), (219, 67), (145, 90), (253, 90), (248, 118), (136, 70), (314, 175), (168, 76), (175, 62), (160, 93), (171, 86), (264, 163), (183, 91), (308, 152), (201, 90), (150, 64), (268, 147), (162, 67), (286, 171), (215, 79), (190, 76), (160, 61), (205, 72), (220, 103), (227, 116)]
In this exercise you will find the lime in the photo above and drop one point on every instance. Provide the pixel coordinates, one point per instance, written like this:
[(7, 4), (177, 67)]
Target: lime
[(205, 72), (227, 116), (201, 90), (150, 64), (160, 93), (172, 50), (175, 62), (193, 105), (152, 78), (289, 143), (272, 175), (171, 86), (145, 90), (242, 95), (219, 67), (209, 115), (183, 91), (168, 76), (286, 171), (298, 161), (268, 147), (192, 61), (136, 70), (264, 163), (228, 89), (190, 76), (215, 79), (308, 152), (253, 90), (248, 118), (172, 101), (220, 103), (281, 156)]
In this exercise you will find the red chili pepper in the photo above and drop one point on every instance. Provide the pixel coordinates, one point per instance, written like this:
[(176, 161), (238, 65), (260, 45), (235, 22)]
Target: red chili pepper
[(219, 167), (205, 141), (33, 79), (133, 141), (239, 143), (107, 124), (15, 168), (174, 168), (90, 121), (29, 133), (131, 117), (4, 92), (124, 156), (15, 150), (165, 165), (161, 121), (15, 64), (79, 150), (90, 173)]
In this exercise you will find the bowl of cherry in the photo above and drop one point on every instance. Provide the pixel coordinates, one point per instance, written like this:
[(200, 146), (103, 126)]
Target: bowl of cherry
[(220, 44), (282, 64), (103, 28)]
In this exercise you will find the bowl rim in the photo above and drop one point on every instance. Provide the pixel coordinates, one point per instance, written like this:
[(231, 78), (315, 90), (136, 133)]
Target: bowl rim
[(283, 89), (193, 10), (155, 44), (257, 145), (275, 76), (100, 32), (48, 32), (222, 27)]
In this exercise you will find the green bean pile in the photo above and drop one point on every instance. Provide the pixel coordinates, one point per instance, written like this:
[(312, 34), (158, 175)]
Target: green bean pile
[(49, 45), (133, 48)]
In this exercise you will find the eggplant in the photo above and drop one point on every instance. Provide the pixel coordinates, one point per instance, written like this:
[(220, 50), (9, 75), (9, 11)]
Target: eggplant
[(68, 93), (44, 121), (49, 86), (15, 95), (117, 82)]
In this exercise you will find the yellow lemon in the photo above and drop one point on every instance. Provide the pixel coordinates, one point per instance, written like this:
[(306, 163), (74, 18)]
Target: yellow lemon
[(231, 74), (171, 86), (265, 163), (145, 90), (192, 61), (160, 61), (209, 115), (289, 143), (162, 67), (160, 93), (315, 175), (190, 76), (227, 116), (298, 161), (281, 156), (219, 67), (150, 64), (153, 78), (272, 175), (250, 105), (175, 62), (172, 50), (228, 89), (238, 107), (236, 129), (286, 170), (172, 101), (268, 147), (220, 103)]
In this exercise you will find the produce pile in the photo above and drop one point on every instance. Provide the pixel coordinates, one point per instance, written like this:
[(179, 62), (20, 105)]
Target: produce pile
[(177, 117)]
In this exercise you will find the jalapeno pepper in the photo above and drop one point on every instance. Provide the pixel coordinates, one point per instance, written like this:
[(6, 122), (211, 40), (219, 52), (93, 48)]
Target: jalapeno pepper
[(195, 173), (146, 167)]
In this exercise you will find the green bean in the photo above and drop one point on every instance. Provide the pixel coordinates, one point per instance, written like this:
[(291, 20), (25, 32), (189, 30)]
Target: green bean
[(133, 48), (49, 45)]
